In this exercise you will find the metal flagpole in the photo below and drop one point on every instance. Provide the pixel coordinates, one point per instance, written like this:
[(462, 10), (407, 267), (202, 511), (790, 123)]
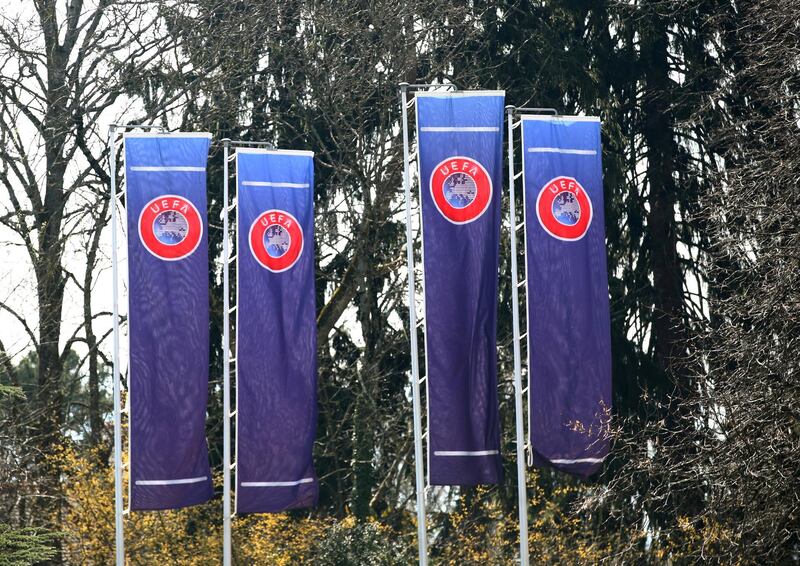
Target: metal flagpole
[(226, 375), (517, 111), (119, 510), (422, 531), (522, 495), (227, 546), (119, 536)]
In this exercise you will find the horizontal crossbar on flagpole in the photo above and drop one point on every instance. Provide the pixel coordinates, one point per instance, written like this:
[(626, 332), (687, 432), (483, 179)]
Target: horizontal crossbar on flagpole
[(419, 86), (243, 143), (535, 110), (131, 126)]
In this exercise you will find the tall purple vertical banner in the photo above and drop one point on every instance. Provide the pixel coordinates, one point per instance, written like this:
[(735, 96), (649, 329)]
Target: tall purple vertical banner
[(568, 308), (165, 176), (460, 141), (276, 332)]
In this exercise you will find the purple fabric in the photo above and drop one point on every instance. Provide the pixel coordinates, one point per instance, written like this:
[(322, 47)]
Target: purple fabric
[(168, 319), (460, 158), (276, 333), (568, 307)]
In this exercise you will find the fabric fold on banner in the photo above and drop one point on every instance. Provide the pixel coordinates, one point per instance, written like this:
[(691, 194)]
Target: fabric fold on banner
[(276, 332), (460, 144), (569, 326), (165, 179)]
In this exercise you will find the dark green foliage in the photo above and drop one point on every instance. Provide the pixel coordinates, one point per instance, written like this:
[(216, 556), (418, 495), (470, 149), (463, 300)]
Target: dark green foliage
[(364, 543), (23, 546)]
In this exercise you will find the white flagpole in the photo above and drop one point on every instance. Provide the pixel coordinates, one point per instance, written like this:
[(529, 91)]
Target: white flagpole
[(520, 430), (226, 370), (422, 532), (119, 536), (119, 510)]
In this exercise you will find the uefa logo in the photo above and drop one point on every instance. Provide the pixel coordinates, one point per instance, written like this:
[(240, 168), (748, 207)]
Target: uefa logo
[(564, 209), (276, 240), (461, 189), (170, 227)]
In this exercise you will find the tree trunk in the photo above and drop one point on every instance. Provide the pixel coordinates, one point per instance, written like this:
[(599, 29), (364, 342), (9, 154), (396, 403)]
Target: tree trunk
[(668, 331)]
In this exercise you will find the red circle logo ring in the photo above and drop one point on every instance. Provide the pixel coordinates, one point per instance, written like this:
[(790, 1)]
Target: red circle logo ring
[(461, 189), (276, 240), (170, 227), (564, 209)]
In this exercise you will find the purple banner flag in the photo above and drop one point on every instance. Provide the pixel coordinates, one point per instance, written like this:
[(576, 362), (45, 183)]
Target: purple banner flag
[(165, 176), (276, 332), (568, 311), (460, 161)]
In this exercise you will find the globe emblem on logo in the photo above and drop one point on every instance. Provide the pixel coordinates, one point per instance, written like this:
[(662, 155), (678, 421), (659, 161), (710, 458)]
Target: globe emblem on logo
[(170, 227), (276, 240), (461, 189), (564, 209)]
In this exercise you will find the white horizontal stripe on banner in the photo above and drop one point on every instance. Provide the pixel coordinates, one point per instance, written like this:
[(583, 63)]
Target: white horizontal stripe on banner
[(458, 93), (459, 129), (166, 168), (275, 184), (176, 135), (559, 118), (562, 150), (578, 461), (275, 483), (171, 482), (465, 452), (260, 150)]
